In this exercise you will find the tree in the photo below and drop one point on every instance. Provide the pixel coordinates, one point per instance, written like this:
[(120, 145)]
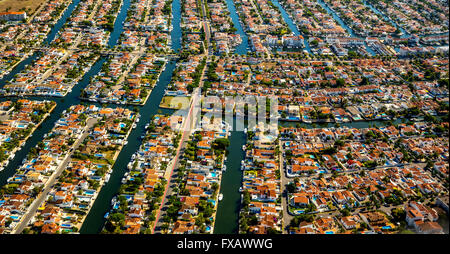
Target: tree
[(220, 144)]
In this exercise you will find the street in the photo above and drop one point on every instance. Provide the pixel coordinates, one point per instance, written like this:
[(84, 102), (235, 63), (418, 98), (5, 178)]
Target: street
[(52, 180)]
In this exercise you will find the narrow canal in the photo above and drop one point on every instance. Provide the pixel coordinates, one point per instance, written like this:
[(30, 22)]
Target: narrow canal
[(227, 216), (242, 48), (292, 25), (95, 220), (343, 24), (404, 34), (357, 124)]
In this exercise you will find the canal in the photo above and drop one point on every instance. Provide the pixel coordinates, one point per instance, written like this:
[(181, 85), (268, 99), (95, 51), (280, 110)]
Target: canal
[(242, 48), (95, 220), (292, 25), (404, 34), (357, 124), (227, 216), (343, 24)]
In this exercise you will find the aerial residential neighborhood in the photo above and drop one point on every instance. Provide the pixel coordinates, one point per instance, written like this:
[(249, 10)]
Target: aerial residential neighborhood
[(224, 117)]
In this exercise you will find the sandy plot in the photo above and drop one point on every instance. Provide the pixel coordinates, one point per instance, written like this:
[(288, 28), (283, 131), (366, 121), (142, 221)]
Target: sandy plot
[(17, 5)]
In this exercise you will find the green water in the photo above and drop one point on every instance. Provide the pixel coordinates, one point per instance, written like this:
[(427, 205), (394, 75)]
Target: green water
[(227, 217)]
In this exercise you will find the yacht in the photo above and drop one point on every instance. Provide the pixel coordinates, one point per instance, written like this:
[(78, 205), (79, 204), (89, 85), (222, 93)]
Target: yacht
[(220, 196), (224, 168), (107, 178)]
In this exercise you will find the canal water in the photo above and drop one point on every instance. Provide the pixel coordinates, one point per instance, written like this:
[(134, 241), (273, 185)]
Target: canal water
[(227, 217), (386, 18), (242, 48), (55, 29), (292, 25), (95, 220), (357, 124), (175, 34), (343, 24)]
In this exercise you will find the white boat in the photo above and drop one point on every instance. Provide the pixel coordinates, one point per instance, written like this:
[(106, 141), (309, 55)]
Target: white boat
[(243, 148), (224, 168), (220, 196), (134, 126), (245, 130), (107, 177)]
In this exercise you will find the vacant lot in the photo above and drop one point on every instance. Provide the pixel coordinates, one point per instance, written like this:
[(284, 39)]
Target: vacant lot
[(29, 6), (174, 102)]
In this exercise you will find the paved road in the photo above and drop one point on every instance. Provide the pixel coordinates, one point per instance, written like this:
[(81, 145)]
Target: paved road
[(190, 120), (51, 181), (284, 181)]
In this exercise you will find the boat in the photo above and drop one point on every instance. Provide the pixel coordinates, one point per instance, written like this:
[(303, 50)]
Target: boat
[(220, 196), (106, 215), (245, 130), (224, 168), (134, 126), (243, 148), (107, 177)]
